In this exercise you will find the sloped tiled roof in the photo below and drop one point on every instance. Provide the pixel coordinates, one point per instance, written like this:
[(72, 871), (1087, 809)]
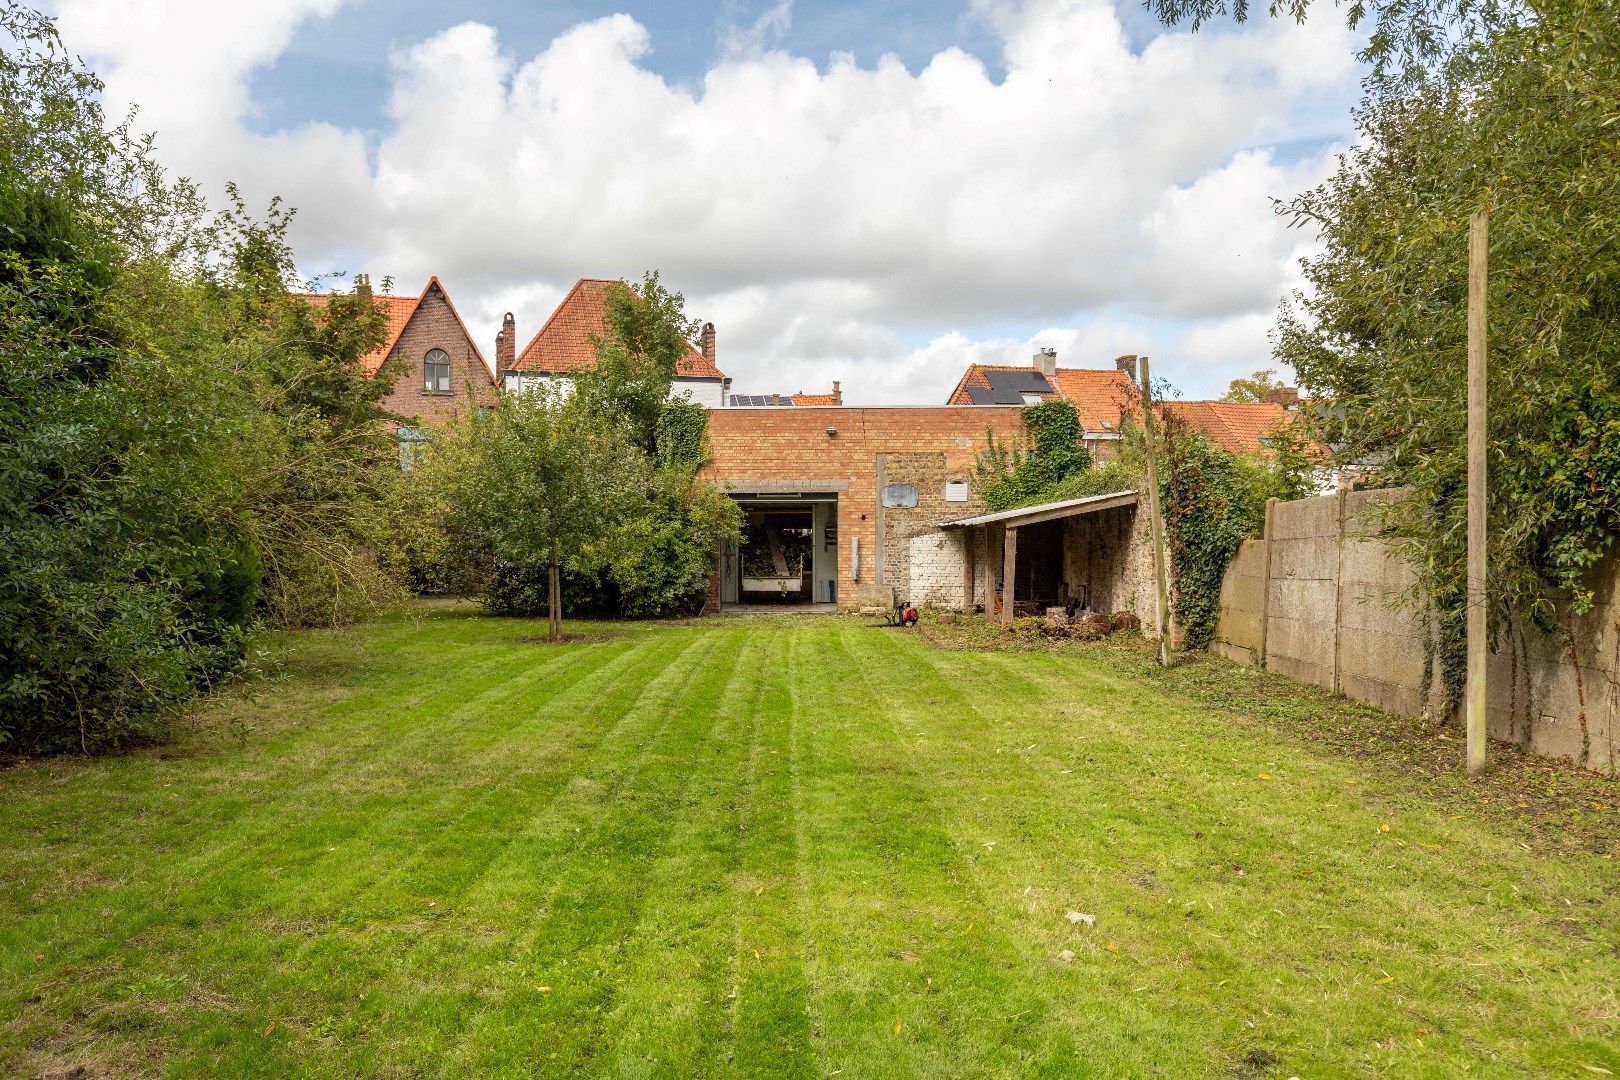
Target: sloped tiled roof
[(1238, 427), (397, 310), (1099, 397), (563, 344)]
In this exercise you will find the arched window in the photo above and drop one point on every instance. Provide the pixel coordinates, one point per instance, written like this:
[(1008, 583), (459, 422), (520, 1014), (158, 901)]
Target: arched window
[(436, 372)]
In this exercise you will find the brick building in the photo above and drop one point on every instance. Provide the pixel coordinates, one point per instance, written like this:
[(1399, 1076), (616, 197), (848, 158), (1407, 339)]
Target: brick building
[(562, 348), (846, 505), (437, 369), (1104, 399)]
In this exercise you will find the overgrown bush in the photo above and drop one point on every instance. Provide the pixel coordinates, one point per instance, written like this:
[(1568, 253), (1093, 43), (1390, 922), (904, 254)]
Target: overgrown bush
[(1012, 476), (184, 448)]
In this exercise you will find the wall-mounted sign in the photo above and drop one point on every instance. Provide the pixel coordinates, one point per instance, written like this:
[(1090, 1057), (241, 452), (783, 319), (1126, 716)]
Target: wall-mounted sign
[(900, 495)]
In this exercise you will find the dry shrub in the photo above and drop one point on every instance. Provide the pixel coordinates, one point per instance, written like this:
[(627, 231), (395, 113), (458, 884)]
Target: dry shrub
[(1126, 620)]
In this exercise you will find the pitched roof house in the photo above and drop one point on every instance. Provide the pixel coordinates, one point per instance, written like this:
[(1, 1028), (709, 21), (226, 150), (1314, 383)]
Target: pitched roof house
[(562, 347), (437, 368), (1238, 427), (1103, 399)]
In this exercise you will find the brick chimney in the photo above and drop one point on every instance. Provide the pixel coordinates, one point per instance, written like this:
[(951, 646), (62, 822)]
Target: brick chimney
[(1286, 396), (506, 345), (362, 286), (1127, 364), (708, 342), (1046, 360), (776, 399), (838, 394)]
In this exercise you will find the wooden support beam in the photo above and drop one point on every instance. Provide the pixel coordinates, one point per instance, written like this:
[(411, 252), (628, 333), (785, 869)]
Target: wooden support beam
[(1009, 571), (1160, 560), (1474, 695), (967, 571)]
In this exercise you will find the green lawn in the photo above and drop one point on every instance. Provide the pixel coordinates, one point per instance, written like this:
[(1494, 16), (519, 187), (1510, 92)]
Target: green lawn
[(434, 847)]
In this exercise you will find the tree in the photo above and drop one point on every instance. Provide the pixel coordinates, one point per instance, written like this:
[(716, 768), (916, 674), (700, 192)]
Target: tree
[(1255, 388), (647, 334), (1522, 123), (168, 413), (539, 483)]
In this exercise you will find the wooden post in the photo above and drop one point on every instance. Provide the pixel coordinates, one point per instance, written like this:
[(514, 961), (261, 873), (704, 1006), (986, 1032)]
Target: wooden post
[(1265, 579), (1338, 600), (1009, 572), (1478, 246), (967, 570), (554, 606), (1159, 559)]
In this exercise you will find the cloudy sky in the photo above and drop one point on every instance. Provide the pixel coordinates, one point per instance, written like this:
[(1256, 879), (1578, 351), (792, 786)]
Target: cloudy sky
[(876, 192)]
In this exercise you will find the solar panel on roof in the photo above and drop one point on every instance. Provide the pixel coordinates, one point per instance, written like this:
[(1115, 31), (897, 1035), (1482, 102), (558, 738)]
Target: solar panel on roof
[(981, 396), (1010, 386), (758, 400)]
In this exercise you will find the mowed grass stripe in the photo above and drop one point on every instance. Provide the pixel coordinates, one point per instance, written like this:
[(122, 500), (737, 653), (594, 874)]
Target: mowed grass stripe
[(770, 1021), (582, 874), (679, 983), (903, 952)]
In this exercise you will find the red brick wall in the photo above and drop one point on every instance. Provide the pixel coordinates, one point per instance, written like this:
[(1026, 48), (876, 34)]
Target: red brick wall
[(435, 326), (793, 445)]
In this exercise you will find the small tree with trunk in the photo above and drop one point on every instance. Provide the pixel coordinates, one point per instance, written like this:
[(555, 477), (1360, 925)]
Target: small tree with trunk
[(539, 483)]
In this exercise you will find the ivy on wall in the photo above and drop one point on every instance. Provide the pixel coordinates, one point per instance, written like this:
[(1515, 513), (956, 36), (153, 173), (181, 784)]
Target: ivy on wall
[(1011, 476), (682, 424)]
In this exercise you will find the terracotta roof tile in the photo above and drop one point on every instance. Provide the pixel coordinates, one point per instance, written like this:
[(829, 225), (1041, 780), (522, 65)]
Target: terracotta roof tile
[(397, 311), (1100, 398), (814, 399), (1238, 427), (563, 344)]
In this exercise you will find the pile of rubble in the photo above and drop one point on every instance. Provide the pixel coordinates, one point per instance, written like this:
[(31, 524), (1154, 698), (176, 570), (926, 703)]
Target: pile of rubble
[(1091, 626)]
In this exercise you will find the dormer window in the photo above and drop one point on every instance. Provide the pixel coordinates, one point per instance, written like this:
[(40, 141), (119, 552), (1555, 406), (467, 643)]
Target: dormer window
[(436, 372)]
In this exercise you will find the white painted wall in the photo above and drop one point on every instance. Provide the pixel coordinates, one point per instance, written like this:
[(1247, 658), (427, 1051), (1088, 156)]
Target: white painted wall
[(706, 392)]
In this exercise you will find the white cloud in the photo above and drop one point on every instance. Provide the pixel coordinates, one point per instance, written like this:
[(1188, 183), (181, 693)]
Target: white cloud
[(822, 216)]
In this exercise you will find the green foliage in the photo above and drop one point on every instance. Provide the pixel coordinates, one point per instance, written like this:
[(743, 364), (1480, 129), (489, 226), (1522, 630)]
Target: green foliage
[(184, 449), (1253, 388), (1522, 122), (1213, 501), (682, 427), (647, 334), (1405, 40), (539, 482), (1011, 476)]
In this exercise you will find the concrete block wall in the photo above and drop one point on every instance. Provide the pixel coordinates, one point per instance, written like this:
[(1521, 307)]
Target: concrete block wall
[(1337, 610)]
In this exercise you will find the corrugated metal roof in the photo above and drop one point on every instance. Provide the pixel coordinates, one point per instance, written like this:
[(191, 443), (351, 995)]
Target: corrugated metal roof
[(1047, 511)]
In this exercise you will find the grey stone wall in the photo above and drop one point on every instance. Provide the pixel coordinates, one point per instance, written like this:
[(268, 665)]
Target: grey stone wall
[(1336, 608)]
